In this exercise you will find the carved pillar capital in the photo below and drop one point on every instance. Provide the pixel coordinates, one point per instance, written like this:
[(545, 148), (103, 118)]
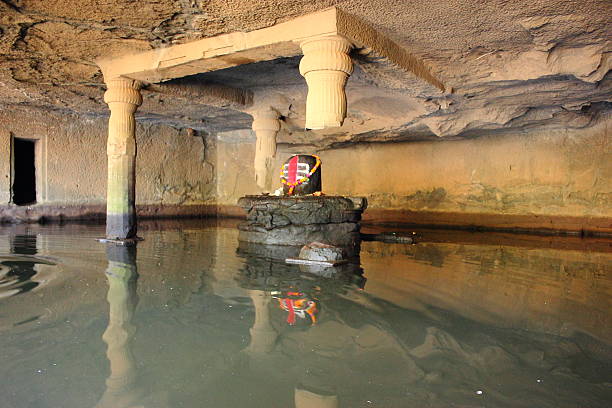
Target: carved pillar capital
[(326, 53), (265, 119), (123, 90), (326, 66)]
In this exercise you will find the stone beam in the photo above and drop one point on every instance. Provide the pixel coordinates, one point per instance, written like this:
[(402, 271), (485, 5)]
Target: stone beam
[(373, 43), (277, 41), (205, 93)]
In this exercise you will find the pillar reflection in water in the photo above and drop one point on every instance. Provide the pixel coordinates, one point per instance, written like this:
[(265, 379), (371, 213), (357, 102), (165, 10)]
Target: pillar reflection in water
[(263, 335), (121, 390), (307, 399), (269, 282), (263, 342)]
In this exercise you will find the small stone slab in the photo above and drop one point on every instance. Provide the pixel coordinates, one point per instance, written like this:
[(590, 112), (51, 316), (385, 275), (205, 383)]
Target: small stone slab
[(311, 262), (124, 242), (318, 251)]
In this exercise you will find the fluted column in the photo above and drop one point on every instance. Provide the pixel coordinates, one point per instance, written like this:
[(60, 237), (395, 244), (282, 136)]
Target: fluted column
[(122, 299), (326, 66), (263, 335), (123, 98), (265, 125)]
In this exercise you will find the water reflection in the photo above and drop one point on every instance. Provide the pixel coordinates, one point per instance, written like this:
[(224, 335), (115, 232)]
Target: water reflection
[(437, 324), (122, 275), (561, 292), (19, 268), (299, 293), (263, 334)]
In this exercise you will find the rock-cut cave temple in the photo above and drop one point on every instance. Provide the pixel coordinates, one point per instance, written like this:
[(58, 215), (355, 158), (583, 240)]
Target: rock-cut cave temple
[(443, 114), (305, 203)]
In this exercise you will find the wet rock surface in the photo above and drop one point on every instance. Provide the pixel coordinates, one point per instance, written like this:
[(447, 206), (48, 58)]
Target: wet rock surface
[(316, 251), (345, 233), (272, 212), (301, 220)]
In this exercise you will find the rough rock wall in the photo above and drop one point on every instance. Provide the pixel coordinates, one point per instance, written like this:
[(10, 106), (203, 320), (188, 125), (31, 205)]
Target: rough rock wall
[(172, 167), (510, 64), (551, 173)]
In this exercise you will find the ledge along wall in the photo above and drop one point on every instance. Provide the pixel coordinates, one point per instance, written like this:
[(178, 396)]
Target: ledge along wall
[(555, 181), (174, 176)]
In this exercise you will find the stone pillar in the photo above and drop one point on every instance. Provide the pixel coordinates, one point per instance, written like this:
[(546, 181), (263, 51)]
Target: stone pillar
[(123, 98), (326, 66), (263, 335), (265, 125)]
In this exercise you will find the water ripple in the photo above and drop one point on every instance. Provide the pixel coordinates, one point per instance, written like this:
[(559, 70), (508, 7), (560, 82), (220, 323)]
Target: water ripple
[(18, 273)]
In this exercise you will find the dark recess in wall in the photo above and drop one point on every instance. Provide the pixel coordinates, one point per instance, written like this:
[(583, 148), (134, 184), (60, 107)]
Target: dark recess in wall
[(24, 183)]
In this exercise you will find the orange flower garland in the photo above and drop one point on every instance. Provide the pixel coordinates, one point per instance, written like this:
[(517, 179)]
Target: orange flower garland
[(293, 185)]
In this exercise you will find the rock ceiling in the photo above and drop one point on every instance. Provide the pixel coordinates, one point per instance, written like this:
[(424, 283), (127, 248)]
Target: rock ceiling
[(509, 65)]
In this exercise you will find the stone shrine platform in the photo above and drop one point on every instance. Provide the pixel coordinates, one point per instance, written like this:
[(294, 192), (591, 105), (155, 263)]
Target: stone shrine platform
[(299, 220)]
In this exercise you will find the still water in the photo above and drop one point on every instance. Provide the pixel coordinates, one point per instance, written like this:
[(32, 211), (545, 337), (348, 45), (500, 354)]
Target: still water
[(190, 319)]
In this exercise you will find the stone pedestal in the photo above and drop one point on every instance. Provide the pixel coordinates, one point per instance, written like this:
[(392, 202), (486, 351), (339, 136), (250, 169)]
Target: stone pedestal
[(297, 221)]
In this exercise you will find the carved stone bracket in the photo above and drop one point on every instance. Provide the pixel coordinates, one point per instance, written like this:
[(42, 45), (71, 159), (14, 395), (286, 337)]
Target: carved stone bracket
[(326, 66)]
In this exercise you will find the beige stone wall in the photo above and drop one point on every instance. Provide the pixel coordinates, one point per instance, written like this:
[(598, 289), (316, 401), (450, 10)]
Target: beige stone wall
[(172, 167), (559, 173), (235, 155), (5, 165), (553, 173)]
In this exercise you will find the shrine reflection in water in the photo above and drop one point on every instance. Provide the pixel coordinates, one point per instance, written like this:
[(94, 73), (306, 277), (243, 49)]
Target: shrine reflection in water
[(189, 319)]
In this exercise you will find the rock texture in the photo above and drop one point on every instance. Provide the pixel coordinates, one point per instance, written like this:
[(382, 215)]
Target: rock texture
[(527, 106), (272, 212), (293, 221), (317, 251), (508, 66)]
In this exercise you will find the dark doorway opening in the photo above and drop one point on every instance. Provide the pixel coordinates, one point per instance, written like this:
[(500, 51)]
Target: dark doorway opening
[(24, 171)]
